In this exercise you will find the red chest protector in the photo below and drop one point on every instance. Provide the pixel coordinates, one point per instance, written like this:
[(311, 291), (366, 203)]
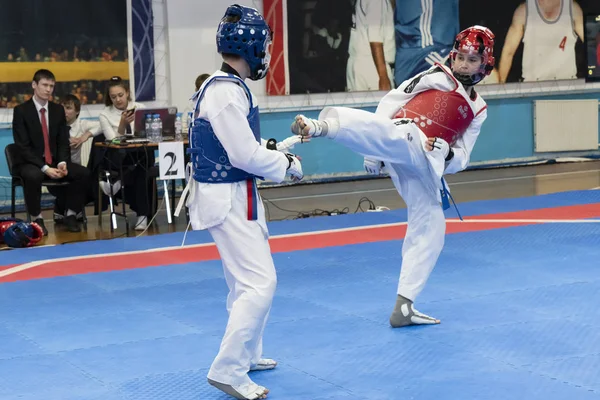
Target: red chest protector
[(439, 114)]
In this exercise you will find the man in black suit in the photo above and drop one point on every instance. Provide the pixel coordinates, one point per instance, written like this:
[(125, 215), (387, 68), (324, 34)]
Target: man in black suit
[(41, 134)]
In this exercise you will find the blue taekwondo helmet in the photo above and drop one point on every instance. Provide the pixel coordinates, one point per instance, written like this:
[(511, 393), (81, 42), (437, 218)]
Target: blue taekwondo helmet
[(248, 37)]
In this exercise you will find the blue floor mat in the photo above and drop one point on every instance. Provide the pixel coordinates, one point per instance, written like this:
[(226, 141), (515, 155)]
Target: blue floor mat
[(519, 312)]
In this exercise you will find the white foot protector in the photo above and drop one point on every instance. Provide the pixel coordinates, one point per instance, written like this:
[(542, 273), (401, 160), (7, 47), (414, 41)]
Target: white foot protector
[(405, 314), (248, 391), (264, 364)]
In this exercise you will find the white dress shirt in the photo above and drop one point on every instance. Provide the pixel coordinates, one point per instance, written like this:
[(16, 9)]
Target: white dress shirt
[(38, 107), (81, 154)]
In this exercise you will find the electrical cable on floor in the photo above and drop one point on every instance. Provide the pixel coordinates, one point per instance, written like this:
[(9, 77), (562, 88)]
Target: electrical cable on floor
[(362, 200), (318, 212), (185, 233), (280, 208)]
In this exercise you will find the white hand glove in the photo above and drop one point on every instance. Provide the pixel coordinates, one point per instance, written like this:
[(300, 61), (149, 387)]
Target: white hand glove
[(373, 167), (304, 126), (440, 144), (295, 168), (287, 144)]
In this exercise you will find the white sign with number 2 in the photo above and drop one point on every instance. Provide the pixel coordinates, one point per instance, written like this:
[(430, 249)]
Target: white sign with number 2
[(172, 163)]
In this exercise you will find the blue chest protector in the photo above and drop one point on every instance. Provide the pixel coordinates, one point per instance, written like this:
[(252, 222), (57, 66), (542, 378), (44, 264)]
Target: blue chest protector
[(210, 161)]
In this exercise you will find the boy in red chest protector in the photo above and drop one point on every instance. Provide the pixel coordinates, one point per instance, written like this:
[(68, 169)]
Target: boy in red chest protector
[(422, 130)]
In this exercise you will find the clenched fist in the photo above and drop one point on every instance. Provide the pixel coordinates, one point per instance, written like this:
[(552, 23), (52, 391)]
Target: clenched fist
[(308, 127)]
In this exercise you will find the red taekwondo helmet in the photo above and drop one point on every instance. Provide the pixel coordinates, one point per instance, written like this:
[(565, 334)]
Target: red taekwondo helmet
[(477, 40)]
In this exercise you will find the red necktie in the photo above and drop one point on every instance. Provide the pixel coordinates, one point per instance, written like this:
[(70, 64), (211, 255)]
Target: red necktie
[(47, 152)]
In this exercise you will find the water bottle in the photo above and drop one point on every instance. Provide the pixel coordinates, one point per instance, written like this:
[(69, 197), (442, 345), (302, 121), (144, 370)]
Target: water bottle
[(159, 132), (178, 128), (148, 126), (154, 129)]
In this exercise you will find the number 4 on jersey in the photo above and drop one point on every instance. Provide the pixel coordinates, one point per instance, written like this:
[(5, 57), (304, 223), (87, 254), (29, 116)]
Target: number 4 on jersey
[(562, 44)]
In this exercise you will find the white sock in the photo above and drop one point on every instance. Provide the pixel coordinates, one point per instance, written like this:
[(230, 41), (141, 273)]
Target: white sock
[(70, 212), (38, 217)]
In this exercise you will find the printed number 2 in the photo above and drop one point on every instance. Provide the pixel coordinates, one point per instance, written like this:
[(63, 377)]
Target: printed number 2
[(562, 44), (173, 158)]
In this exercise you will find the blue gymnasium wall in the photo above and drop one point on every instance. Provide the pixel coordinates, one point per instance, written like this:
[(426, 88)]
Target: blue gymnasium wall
[(506, 135)]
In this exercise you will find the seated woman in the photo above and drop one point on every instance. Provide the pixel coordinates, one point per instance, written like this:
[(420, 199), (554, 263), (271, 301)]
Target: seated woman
[(117, 120)]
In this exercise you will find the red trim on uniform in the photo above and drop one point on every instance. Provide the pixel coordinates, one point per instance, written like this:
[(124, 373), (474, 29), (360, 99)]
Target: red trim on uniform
[(480, 111), (368, 234), (249, 190)]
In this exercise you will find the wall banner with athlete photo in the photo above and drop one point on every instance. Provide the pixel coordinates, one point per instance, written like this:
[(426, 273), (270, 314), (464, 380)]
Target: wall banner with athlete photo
[(536, 40), (333, 46)]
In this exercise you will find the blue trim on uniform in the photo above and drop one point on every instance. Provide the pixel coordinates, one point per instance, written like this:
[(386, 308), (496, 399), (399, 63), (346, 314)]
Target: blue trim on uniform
[(197, 97), (445, 203)]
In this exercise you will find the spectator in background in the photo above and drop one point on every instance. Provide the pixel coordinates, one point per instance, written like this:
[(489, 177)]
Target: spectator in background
[(82, 131), (92, 54), (23, 57), (81, 135), (41, 135), (190, 107), (13, 102), (116, 120), (200, 80)]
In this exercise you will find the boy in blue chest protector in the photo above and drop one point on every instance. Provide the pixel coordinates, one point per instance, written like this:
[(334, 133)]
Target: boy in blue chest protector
[(227, 159)]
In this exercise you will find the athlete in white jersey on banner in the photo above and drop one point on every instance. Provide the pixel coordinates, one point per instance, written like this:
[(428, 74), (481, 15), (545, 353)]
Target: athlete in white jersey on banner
[(425, 128), (372, 47), (549, 31), (227, 158)]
